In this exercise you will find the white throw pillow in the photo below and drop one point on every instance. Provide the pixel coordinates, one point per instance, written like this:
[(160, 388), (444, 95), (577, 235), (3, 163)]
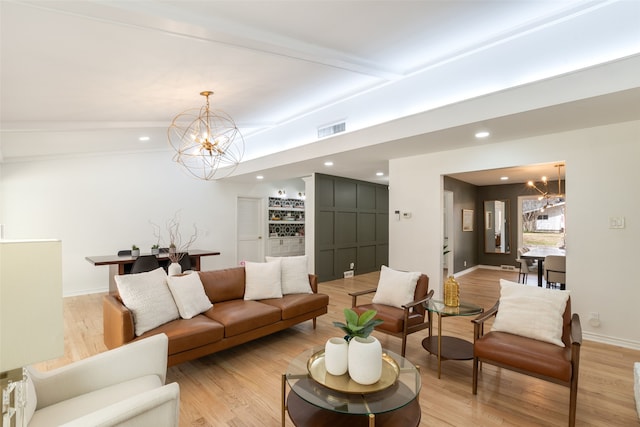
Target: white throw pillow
[(149, 299), (188, 293), (395, 288), (262, 280), (531, 312), (293, 274)]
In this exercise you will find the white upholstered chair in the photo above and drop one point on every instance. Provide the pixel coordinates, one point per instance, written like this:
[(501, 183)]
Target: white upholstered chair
[(120, 387)]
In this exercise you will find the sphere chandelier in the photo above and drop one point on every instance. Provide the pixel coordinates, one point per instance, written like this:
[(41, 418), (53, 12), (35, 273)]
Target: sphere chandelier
[(208, 144)]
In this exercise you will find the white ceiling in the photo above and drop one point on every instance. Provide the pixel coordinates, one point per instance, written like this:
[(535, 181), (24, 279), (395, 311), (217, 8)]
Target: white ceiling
[(87, 77)]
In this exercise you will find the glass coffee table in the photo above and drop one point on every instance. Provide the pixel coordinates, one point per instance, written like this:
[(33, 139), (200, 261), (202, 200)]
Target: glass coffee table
[(448, 348), (312, 403)]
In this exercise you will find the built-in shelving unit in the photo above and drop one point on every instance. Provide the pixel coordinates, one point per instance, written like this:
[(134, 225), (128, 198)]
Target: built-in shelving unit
[(285, 221)]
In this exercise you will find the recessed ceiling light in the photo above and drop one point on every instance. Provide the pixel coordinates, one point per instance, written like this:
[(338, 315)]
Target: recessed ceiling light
[(504, 178), (482, 134), (144, 138), (379, 173), (329, 163), (259, 177)]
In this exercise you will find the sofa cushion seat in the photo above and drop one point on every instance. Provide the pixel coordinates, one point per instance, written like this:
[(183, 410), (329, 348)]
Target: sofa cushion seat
[(294, 305), (68, 410), (393, 318), (525, 353), (240, 316), (186, 334)]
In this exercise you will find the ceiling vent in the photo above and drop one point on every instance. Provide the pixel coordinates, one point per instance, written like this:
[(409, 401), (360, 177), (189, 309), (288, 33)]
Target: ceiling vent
[(331, 129)]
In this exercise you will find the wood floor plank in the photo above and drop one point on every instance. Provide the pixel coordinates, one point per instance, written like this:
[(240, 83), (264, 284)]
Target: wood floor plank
[(242, 386)]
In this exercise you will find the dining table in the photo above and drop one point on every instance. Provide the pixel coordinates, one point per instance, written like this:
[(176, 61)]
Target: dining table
[(121, 264), (540, 254)]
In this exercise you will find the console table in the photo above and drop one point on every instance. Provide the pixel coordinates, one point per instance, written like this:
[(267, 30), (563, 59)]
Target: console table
[(311, 404), (122, 264)]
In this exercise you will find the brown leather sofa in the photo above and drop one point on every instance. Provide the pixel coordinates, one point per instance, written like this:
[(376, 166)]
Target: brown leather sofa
[(231, 321)]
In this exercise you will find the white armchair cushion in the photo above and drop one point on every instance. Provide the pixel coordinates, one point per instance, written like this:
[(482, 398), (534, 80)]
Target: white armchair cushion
[(149, 299), (79, 406), (262, 280), (294, 274), (531, 312), (159, 407), (395, 288), (188, 293)]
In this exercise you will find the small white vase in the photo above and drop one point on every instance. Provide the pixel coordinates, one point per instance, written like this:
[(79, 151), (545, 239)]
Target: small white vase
[(336, 353), (365, 360), (174, 269)]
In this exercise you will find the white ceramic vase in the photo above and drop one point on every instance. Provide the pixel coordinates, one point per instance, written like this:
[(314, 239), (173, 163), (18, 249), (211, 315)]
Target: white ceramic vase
[(336, 353), (365, 360), (174, 269)]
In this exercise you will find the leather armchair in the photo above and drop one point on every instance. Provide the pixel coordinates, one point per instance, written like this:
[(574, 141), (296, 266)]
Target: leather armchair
[(120, 387), (399, 322), (528, 356)]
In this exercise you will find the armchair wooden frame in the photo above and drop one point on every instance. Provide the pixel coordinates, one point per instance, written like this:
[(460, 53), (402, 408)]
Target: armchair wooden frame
[(413, 314), (572, 337)]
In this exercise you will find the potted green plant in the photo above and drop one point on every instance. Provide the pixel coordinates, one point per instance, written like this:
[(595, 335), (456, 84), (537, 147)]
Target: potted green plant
[(364, 357), (135, 251), (358, 326), (155, 249)]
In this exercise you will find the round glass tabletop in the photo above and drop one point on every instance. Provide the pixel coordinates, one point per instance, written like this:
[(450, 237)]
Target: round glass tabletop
[(401, 393)]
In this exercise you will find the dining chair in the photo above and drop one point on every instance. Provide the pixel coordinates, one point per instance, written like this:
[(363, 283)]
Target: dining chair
[(523, 270), (555, 270), (145, 263)]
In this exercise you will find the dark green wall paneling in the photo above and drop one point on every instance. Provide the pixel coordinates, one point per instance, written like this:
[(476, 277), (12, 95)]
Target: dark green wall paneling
[(352, 226)]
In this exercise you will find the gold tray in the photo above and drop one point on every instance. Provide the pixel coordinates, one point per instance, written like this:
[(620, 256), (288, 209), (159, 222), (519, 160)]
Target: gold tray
[(344, 383)]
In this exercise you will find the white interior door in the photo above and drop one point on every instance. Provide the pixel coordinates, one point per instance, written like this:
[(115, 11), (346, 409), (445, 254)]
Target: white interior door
[(250, 229)]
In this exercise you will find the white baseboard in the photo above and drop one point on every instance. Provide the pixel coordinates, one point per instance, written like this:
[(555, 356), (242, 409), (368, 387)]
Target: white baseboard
[(620, 342)]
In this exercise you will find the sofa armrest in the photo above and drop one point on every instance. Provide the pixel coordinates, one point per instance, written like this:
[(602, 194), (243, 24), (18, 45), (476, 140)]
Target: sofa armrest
[(140, 358), (117, 322), (159, 407), (313, 281)]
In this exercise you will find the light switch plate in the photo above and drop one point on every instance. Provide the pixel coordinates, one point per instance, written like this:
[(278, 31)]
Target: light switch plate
[(616, 222)]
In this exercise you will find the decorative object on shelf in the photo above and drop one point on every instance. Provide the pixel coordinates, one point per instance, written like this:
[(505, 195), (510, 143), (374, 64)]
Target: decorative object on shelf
[(135, 251), (336, 353), (207, 142), (365, 351), (452, 292), (32, 320), (155, 249)]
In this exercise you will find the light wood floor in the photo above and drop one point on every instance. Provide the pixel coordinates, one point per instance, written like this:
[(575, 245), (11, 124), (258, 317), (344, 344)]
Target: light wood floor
[(242, 386)]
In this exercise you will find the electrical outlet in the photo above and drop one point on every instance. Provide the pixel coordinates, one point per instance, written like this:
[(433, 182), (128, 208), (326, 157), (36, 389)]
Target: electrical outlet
[(465, 264), (351, 266), (594, 319)]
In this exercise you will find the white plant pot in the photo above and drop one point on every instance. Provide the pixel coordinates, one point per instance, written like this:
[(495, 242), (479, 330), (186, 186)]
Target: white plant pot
[(365, 360), (174, 269), (336, 353)]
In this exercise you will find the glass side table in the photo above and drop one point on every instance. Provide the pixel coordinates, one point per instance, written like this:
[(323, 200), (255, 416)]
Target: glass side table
[(448, 348), (309, 403)]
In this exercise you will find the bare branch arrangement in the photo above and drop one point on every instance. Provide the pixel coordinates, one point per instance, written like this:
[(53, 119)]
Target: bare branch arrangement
[(177, 247)]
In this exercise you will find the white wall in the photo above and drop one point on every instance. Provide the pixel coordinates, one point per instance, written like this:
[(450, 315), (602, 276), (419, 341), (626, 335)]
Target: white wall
[(99, 204), (602, 176)]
